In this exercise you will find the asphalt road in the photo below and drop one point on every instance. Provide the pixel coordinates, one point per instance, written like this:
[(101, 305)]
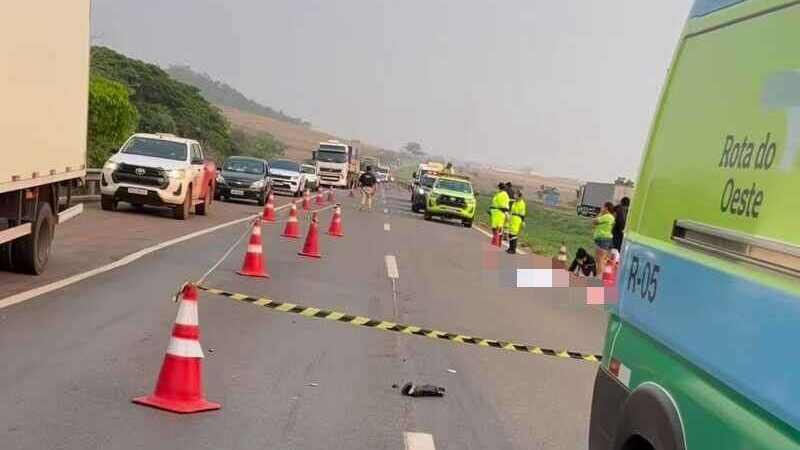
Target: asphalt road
[(73, 358)]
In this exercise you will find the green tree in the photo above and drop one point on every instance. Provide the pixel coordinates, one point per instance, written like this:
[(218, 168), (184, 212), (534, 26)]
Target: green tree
[(260, 146), (112, 118), (155, 118)]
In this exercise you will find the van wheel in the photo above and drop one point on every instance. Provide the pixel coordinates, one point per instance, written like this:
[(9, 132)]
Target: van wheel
[(427, 216), (182, 212), (204, 208), (30, 254), (108, 203)]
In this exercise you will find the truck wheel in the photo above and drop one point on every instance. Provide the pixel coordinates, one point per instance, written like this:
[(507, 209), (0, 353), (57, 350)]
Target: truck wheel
[(108, 203), (182, 212), (29, 254), (205, 207)]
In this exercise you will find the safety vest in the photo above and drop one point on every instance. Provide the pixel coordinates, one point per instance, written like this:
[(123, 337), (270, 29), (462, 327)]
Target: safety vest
[(501, 201), (518, 211)]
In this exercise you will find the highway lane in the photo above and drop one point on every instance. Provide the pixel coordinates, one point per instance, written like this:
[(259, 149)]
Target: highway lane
[(69, 382)]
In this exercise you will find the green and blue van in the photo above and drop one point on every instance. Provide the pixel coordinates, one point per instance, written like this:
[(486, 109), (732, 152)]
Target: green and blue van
[(701, 350)]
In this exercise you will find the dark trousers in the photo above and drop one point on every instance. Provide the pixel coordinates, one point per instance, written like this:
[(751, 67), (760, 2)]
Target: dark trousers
[(616, 240), (512, 243)]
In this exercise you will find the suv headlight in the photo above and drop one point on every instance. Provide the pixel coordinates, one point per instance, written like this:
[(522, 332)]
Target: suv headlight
[(110, 165), (421, 191), (220, 178), (176, 174), (257, 184)]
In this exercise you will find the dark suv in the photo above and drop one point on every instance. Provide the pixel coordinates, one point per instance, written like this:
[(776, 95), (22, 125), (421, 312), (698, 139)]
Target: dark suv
[(419, 196), (243, 177)]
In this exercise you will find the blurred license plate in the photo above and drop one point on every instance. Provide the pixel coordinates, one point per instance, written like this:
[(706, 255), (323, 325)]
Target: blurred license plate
[(236, 192), (137, 191)]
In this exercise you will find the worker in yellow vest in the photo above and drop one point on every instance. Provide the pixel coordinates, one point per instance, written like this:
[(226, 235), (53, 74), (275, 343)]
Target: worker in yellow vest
[(516, 221), (499, 209)]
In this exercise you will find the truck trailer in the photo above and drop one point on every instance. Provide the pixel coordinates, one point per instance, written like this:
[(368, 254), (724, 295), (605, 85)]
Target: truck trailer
[(43, 124), (593, 195)]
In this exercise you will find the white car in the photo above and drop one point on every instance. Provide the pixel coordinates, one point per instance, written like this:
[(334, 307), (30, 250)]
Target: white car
[(312, 175), (159, 170), (287, 177)]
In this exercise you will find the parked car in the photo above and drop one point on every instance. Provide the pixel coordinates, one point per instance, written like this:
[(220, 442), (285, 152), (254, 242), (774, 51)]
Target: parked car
[(159, 170), (287, 177), (419, 195), (243, 177), (312, 175)]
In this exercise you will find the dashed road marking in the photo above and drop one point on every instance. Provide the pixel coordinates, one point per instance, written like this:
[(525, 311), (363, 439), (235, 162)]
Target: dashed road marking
[(391, 267), (124, 261), (387, 227), (419, 441), (386, 210)]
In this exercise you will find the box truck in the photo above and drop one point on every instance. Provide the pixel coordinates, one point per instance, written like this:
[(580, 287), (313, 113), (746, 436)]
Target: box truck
[(44, 50)]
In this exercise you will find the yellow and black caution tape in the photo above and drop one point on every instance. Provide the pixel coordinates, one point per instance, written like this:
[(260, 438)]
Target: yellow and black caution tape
[(335, 316)]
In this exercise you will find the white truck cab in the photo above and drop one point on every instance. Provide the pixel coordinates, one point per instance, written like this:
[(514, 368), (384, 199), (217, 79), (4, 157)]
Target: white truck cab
[(159, 170)]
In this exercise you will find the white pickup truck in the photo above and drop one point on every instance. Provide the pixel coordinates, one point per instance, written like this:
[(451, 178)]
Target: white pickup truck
[(159, 170)]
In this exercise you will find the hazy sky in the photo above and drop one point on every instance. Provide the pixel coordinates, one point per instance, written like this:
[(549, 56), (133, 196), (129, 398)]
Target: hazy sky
[(567, 87)]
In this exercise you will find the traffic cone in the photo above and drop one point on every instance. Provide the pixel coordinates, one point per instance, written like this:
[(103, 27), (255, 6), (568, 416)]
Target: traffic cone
[(496, 239), (311, 246), (320, 198), (269, 210), (561, 259), (253, 264), (180, 383), (335, 229), (307, 200), (610, 274), (330, 195), (292, 229)]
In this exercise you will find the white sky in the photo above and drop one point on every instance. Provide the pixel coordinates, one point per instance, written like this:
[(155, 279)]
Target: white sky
[(566, 87)]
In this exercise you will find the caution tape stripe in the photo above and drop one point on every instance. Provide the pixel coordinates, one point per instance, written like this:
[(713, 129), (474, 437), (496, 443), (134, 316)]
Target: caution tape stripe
[(308, 311)]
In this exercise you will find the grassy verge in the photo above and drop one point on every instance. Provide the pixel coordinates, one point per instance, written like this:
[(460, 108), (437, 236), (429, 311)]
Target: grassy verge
[(546, 228)]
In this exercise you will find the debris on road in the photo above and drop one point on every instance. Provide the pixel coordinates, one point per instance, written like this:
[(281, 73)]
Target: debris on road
[(451, 371), (423, 390)]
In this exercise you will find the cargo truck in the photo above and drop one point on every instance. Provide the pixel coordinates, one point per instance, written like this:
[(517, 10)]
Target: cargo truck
[(44, 49), (592, 196), (337, 163)]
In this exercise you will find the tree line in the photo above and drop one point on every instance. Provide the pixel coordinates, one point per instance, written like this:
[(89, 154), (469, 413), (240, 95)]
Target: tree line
[(127, 96)]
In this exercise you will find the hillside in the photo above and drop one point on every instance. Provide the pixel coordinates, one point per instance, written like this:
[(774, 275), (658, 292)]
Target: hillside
[(221, 94), (298, 140), (166, 105)]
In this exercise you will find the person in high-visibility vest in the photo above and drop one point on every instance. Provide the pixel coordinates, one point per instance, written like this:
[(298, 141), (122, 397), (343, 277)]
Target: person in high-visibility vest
[(516, 221), (499, 209)]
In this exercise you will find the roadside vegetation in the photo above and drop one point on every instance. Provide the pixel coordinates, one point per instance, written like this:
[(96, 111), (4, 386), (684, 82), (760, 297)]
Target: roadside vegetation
[(126, 92)]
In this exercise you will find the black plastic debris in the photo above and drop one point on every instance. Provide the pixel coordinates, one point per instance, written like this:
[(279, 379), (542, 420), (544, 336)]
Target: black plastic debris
[(422, 390)]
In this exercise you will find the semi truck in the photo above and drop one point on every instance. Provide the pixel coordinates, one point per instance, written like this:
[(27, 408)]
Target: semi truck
[(592, 196), (337, 163), (44, 90)]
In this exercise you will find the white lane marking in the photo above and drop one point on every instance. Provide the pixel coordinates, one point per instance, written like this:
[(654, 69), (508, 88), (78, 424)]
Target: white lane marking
[(386, 211), (489, 235), (391, 267), (27, 295), (419, 441), (387, 227)]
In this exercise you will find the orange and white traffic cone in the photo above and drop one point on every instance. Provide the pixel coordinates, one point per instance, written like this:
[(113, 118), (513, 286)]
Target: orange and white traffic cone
[(320, 201), (311, 246), (610, 274), (253, 264), (307, 200), (180, 383), (292, 229), (269, 209), (496, 239), (330, 195), (335, 229)]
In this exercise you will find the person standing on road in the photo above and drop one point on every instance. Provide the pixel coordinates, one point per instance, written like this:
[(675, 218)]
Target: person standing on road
[(516, 221), (620, 219), (603, 235), (499, 209), (367, 182)]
